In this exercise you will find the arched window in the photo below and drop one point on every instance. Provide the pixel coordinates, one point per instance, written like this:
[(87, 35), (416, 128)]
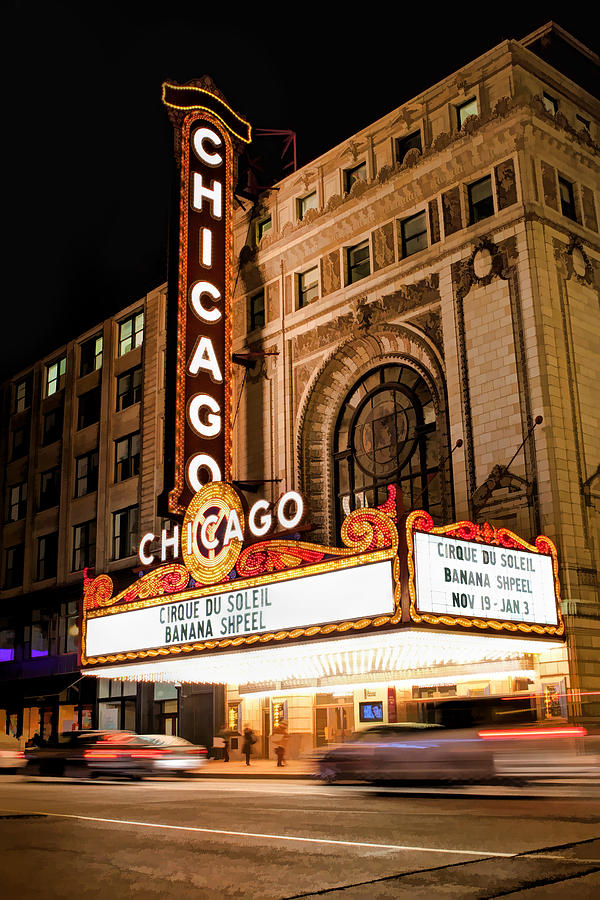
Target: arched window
[(386, 434)]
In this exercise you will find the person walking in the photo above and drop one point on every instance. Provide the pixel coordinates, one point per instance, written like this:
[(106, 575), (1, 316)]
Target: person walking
[(249, 739)]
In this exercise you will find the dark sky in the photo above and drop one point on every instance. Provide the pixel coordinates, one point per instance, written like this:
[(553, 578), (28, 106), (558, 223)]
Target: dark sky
[(88, 145)]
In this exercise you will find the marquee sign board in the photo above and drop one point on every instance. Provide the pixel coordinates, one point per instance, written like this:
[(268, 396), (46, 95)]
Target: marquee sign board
[(477, 576)]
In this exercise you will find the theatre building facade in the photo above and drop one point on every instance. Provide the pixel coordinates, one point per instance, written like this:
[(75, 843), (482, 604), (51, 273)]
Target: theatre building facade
[(404, 503)]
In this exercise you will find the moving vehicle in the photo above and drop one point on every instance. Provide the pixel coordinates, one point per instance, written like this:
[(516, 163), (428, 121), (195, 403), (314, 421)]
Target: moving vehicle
[(12, 758), (175, 755)]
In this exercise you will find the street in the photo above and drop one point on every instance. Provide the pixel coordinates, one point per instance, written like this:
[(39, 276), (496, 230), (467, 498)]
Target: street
[(234, 838)]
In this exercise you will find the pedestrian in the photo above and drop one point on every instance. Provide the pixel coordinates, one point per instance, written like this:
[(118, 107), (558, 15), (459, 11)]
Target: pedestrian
[(280, 737), (249, 739), (280, 754)]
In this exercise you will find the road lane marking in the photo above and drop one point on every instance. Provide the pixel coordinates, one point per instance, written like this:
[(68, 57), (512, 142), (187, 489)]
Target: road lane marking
[(276, 837)]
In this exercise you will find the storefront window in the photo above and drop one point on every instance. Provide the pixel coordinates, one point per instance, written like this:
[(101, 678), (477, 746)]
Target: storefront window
[(116, 707)]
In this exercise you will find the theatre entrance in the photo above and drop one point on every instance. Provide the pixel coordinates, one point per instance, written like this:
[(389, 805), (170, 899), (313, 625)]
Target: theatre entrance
[(334, 719)]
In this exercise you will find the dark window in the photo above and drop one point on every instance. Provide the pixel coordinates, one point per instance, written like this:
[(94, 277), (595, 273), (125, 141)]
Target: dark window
[(550, 103), (89, 408), (582, 121), (351, 176), (469, 108), (127, 456), (308, 286), (131, 333), (20, 441), (257, 310), (129, 388), (39, 636), (49, 488), (86, 473), (481, 200), (567, 199), (125, 532), (414, 234), (359, 265), (23, 394), (17, 501), (7, 644), (13, 572), (47, 556), (410, 142), (306, 203), (52, 426), (262, 227), (91, 355), (68, 627), (386, 434), (84, 545), (55, 376)]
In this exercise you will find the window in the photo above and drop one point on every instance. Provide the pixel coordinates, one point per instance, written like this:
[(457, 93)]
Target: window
[(68, 627), (585, 123), (125, 528), (129, 388), (550, 103), (469, 108), (414, 234), (306, 203), (20, 441), (17, 501), (7, 643), (114, 710), (481, 200), (386, 434), (52, 426), (89, 408), (567, 199), (47, 556), (86, 473), (55, 376), (131, 333), (39, 635), (127, 456), (84, 545), (23, 394), (359, 265), (91, 355), (262, 227), (410, 142), (308, 286), (13, 571), (257, 310), (351, 176), (50, 488)]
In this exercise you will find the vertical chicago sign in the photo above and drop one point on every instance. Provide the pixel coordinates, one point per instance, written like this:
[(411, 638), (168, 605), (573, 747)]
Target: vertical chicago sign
[(207, 129)]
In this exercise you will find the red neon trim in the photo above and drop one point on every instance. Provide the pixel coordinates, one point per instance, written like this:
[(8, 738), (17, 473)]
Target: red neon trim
[(532, 733)]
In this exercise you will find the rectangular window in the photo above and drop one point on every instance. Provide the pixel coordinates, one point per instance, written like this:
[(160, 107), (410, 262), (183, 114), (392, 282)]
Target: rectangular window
[(52, 425), (17, 501), (41, 622), (257, 310), (359, 263), (84, 545), (20, 441), (7, 644), (469, 108), (351, 176), (125, 532), (414, 234), (308, 286), (68, 627), (55, 376), (262, 227), (89, 408), (23, 394), (131, 333), (306, 203), (567, 199), (127, 456), (481, 200), (13, 570), (47, 556), (49, 488), (550, 103), (129, 388), (410, 142), (86, 473), (91, 355)]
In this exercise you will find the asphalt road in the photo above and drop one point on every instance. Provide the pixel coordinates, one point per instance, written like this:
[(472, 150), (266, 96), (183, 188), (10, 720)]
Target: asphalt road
[(226, 838)]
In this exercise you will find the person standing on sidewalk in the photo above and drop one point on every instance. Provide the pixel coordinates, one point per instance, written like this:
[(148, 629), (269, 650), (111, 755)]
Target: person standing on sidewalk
[(249, 739)]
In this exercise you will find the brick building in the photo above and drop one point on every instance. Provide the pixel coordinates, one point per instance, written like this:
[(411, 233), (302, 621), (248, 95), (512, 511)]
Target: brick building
[(440, 271)]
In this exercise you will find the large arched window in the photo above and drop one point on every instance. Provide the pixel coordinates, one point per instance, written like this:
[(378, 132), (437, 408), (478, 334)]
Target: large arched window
[(386, 434)]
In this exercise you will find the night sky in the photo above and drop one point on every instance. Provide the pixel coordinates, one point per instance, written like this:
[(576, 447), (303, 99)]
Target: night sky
[(88, 145)]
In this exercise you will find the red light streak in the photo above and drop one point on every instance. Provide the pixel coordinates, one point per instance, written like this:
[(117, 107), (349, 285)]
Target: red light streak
[(532, 733)]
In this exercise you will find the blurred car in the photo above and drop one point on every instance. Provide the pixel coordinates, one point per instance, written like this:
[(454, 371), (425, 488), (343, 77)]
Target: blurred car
[(544, 751), (12, 758), (175, 755), (408, 751), (93, 754)]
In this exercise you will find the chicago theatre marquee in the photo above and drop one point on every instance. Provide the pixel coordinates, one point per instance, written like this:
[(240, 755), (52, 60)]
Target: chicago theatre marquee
[(320, 562)]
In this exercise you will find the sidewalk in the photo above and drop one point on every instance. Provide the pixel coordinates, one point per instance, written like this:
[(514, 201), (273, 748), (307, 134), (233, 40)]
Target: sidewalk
[(258, 768)]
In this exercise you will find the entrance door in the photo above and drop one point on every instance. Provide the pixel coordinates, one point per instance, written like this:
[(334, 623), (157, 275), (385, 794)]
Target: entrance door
[(333, 724)]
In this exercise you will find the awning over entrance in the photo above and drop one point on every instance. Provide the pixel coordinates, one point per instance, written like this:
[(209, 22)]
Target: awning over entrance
[(400, 655)]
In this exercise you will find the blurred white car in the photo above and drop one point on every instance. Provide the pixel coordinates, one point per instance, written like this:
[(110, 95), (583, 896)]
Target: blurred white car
[(12, 757), (175, 755)]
